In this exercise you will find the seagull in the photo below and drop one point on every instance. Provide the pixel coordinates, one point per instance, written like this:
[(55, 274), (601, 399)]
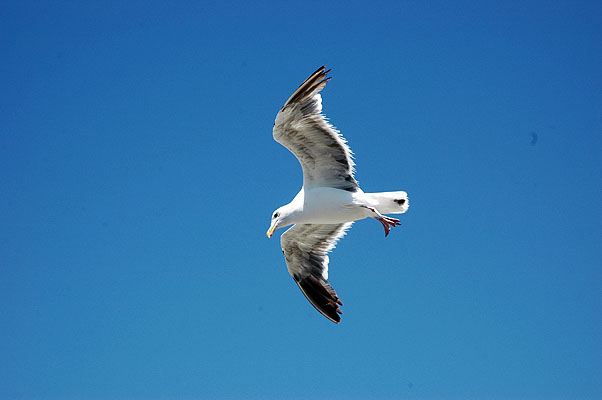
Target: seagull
[(330, 199)]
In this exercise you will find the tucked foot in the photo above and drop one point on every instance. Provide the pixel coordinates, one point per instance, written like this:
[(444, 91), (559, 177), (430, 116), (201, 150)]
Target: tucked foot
[(388, 223)]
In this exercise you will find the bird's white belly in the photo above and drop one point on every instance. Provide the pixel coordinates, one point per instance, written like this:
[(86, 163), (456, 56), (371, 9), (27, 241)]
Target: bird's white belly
[(324, 205)]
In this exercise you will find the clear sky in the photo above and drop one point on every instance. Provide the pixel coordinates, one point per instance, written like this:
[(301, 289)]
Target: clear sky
[(138, 175)]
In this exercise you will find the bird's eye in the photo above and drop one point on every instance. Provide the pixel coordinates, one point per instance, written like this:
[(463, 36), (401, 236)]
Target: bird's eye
[(276, 215)]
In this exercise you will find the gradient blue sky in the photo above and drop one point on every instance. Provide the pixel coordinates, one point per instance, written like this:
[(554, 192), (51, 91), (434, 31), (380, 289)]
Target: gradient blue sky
[(138, 175)]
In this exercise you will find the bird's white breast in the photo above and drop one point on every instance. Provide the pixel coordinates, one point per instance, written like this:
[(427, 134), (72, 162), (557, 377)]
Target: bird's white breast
[(326, 205)]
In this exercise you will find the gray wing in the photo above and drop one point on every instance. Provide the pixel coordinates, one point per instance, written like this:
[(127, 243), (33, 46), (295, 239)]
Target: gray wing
[(322, 151), (305, 248)]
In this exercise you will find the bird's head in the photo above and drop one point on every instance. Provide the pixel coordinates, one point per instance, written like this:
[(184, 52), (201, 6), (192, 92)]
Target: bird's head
[(280, 218)]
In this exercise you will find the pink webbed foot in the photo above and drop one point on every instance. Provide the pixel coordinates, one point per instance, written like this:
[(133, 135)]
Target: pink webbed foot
[(388, 223)]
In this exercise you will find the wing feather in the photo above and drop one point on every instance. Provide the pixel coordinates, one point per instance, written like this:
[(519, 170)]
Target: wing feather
[(323, 152), (305, 248)]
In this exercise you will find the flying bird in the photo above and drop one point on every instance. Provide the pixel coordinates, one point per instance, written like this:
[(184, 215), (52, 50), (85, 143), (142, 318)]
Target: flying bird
[(330, 199)]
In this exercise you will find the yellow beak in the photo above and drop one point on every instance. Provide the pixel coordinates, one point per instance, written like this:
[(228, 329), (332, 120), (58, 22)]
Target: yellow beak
[(270, 231)]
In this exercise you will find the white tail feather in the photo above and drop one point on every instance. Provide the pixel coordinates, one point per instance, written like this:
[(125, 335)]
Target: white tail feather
[(389, 202)]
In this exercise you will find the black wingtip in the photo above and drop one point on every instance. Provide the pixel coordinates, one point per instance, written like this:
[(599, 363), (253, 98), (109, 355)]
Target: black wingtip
[(309, 86), (322, 296)]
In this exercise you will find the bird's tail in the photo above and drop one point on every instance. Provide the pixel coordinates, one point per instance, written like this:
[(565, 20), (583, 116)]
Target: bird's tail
[(389, 202)]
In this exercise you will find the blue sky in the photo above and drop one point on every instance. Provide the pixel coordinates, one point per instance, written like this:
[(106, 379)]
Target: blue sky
[(138, 175)]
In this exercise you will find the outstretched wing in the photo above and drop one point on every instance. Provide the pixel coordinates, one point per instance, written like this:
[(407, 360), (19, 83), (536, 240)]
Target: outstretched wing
[(305, 248), (322, 151)]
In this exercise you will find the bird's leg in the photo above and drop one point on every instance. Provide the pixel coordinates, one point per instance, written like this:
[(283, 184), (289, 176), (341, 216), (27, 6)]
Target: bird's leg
[(387, 222)]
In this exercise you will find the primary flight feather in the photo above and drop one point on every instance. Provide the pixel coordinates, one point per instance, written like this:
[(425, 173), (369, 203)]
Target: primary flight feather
[(330, 199)]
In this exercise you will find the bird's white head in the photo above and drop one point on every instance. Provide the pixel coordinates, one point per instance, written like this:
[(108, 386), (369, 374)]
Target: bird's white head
[(280, 218)]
